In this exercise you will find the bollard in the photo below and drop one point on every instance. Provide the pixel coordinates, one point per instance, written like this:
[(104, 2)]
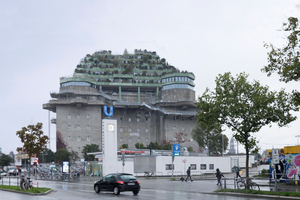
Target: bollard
[(234, 182), (225, 183), (8, 181)]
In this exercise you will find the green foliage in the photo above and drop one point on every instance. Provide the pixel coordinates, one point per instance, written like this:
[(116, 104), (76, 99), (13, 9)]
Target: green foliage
[(124, 146), (244, 108), (165, 145), (74, 156), (5, 160), (61, 155), (210, 138), (140, 146), (33, 190), (291, 194), (88, 149), (46, 156), (285, 61), (190, 149)]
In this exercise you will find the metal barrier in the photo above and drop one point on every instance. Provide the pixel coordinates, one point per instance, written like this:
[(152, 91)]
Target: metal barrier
[(162, 174), (180, 172)]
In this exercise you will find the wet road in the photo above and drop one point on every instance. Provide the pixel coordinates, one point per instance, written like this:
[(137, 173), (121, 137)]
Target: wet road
[(150, 189)]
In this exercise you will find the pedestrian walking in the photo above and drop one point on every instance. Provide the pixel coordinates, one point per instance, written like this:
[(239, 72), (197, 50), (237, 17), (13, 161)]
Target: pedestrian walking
[(188, 172), (237, 170), (219, 176)]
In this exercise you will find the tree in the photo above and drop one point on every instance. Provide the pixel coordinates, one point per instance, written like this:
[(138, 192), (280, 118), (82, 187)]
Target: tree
[(61, 155), (140, 146), (213, 140), (90, 148), (46, 156), (124, 146), (244, 108), (285, 61), (33, 140), (60, 143), (5, 160), (74, 156)]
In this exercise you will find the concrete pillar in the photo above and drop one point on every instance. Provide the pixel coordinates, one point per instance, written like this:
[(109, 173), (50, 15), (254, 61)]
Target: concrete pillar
[(120, 93), (139, 94)]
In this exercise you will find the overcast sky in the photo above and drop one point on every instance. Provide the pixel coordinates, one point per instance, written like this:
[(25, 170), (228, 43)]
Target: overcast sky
[(41, 41)]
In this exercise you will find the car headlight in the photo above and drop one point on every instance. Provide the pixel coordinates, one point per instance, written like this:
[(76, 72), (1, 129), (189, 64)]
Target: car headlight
[(95, 182)]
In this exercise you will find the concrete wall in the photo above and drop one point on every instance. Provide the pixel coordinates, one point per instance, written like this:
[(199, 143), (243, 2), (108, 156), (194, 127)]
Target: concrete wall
[(88, 118), (158, 164), (241, 160), (145, 163), (178, 94), (128, 168)]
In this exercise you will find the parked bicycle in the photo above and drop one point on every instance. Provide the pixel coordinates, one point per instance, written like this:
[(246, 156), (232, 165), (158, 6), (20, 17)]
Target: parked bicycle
[(243, 183), (149, 175), (25, 183)]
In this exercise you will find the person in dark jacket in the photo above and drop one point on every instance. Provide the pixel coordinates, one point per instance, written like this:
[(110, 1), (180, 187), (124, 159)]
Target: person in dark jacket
[(219, 176), (188, 172)]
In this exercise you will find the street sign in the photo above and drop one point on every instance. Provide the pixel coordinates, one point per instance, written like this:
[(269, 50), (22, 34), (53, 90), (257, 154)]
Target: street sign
[(176, 148), (275, 156)]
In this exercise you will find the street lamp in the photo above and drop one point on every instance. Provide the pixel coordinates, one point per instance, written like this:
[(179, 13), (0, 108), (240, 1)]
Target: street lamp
[(297, 136)]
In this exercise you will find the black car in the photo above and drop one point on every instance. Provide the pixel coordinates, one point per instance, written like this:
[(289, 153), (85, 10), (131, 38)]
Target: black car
[(118, 182)]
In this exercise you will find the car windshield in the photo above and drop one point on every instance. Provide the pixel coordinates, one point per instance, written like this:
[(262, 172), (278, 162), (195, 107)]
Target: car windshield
[(12, 168), (127, 177)]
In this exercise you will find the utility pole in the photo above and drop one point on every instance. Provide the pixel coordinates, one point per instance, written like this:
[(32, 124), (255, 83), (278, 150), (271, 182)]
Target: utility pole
[(297, 136)]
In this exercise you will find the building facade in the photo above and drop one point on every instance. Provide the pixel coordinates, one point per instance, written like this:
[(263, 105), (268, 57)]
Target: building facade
[(151, 100)]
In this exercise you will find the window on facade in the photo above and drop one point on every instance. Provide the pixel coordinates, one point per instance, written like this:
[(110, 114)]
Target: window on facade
[(147, 140), (69, 138), (121, 130), (69, 149), (121, 119), (174, 128), (138, 130), (78, 138), (88, 138), (169, 167), (129, 119), (203, 166), (137, 119), (121, 139), (211, 166), (69, 127), (78, 128), (69, 116), (191, 139), (78, 116), (146, 130), (129, 140), (129, 130), (182, 128), (191, 128), (87, 116), (78, 149), (138, 140), (88, 127), (193, 166)]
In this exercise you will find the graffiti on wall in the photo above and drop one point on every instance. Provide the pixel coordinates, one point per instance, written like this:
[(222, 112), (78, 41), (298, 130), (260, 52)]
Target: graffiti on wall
[(288, 167)]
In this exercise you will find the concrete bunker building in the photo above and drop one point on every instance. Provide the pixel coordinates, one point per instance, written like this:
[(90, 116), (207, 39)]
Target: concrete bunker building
[(152, 101)]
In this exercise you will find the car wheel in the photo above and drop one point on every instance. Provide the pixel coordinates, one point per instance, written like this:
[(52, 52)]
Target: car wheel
[(116, 190), (97, 188), (135, 192)]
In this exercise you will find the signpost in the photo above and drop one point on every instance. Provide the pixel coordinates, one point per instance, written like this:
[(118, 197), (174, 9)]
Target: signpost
[(175, 152), (275, 161)]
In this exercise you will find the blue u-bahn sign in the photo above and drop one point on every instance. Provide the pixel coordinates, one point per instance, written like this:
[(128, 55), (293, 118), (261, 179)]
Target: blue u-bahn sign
[(110, 111), (176, 148)]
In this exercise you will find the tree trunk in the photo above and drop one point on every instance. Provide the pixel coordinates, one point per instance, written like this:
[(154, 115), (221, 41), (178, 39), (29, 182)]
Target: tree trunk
[(247, 156), (29, 165)]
